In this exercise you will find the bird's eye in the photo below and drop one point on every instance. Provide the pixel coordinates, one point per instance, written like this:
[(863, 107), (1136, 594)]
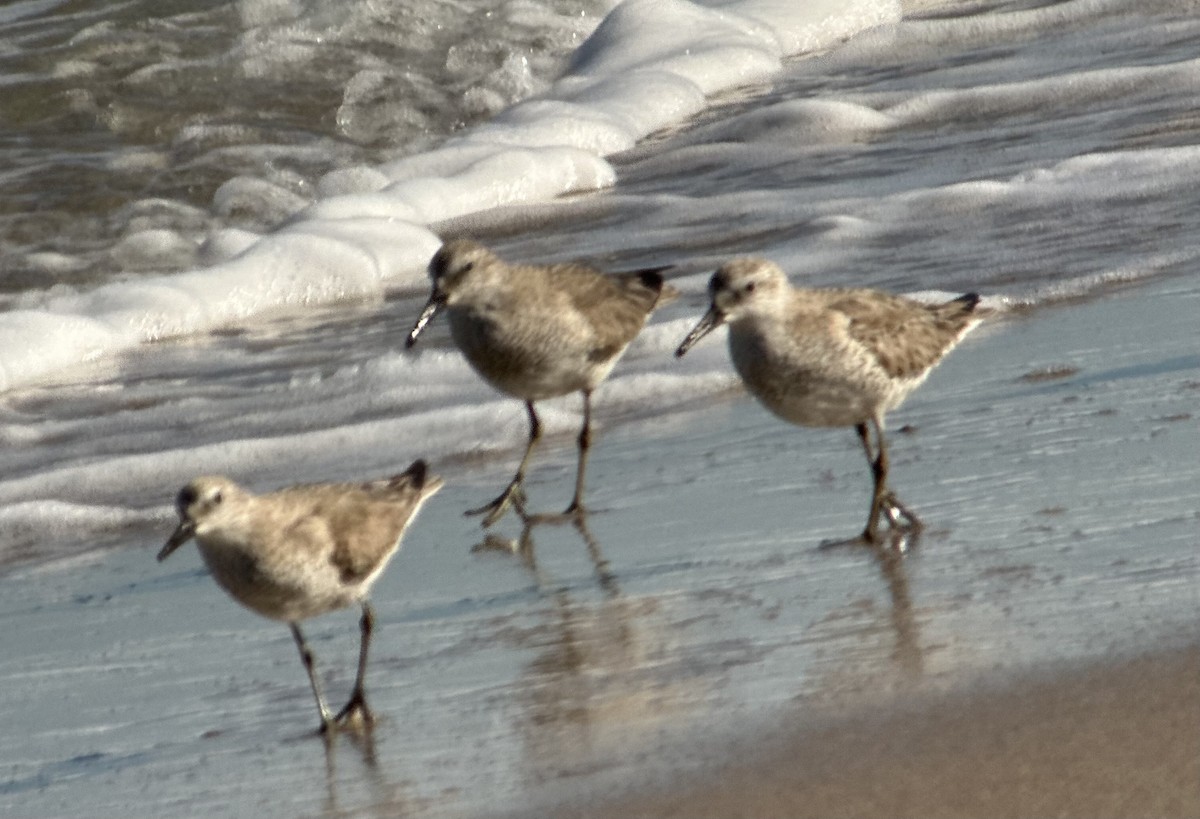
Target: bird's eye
[(750, 287), (467, 267), (216, 497), (186, 497)]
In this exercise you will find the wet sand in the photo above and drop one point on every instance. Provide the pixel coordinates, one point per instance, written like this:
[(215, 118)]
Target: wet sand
[(1119, 739), (699, 654), (1113, 731)]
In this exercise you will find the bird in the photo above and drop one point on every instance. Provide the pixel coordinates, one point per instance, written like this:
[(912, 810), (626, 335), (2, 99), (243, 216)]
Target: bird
[(832, 357), (537, 332), (302, 551)]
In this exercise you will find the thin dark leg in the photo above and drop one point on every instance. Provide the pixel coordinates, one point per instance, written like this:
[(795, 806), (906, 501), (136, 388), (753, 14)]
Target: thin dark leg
[(585, 444), (879, 470), (883, 500), (358, 697), (306, 657), (864, 435), (514, 493)]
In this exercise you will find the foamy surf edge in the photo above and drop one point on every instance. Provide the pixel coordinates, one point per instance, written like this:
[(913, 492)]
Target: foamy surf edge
[(648, 64)]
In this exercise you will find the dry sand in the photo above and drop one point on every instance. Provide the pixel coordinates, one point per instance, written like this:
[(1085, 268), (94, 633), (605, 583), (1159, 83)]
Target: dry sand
[(1108, 740)]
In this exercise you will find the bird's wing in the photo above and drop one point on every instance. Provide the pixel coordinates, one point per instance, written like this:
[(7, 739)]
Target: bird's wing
[(356, 524), (906, 337), (366, 531), (614, 305)]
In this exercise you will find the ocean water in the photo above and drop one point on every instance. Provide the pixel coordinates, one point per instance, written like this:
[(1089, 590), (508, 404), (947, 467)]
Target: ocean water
[(214, 225), (198, 279), (228, 188)]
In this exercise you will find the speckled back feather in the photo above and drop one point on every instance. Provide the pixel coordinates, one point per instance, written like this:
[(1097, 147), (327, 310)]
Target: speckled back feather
[(876, 320)]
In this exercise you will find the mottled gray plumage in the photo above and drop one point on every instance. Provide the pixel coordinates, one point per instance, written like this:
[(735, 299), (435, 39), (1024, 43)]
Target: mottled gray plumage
[(536, 332), (304, 550), (831, 357)]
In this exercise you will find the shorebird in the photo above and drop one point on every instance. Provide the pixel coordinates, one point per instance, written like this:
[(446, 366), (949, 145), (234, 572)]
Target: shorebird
[(536, 332), (302, 551), (832, 357)]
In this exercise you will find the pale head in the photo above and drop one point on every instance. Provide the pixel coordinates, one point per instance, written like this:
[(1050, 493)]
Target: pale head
[(198, 503), (739, 288), (459, 265)]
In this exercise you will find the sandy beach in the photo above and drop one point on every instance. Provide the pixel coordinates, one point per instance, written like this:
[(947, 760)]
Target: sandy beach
[(1110, 739), (218, 223)]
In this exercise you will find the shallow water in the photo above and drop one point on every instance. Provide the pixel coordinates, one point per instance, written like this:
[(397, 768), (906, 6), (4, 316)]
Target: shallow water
[(133, 129), (1042, 155), (910, 158), (700, 603)]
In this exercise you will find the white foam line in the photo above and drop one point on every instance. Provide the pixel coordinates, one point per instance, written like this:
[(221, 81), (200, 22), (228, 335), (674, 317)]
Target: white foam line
[(649, 63)]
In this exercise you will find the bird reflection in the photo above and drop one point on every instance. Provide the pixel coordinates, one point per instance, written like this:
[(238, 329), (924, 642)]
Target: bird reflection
[(604, 666), (524, 547), (364, 741), (890, 558), (889, 555), (366, 782)]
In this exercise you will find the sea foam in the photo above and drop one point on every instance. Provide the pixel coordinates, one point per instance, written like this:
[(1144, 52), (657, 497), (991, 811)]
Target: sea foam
[(647, 65)]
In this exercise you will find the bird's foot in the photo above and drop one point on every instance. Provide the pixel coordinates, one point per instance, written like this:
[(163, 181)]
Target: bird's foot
[(513, 495), (576, 514), (897, 511), (355, 715)]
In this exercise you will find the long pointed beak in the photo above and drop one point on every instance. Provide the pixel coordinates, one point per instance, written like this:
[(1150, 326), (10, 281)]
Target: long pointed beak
[(182, 534), (713, 319), (437, 300)]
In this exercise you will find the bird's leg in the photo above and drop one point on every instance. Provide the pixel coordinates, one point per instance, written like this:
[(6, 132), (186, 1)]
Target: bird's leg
[(358, 697), (895, 510), (878, 465), (864, 435), (514, 493), (585, 443), (878, 460), (889, 504), (883, 500), (306, 657)]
